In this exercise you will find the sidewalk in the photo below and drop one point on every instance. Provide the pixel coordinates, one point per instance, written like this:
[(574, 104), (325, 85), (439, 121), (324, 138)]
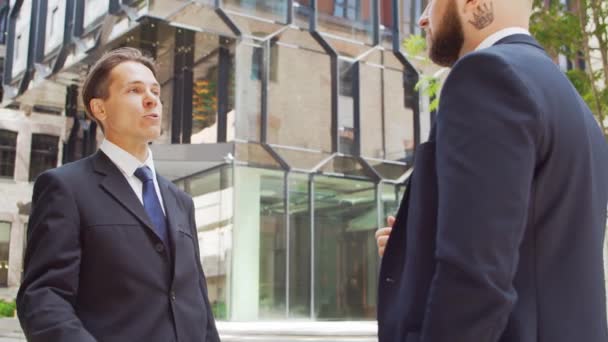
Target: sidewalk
[(275, 331), (285, 331)]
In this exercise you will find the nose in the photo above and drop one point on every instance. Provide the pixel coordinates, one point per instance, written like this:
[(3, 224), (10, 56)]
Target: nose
[(423, 21), (150, 100)]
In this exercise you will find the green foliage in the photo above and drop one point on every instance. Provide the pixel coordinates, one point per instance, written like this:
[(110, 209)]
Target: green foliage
[(7, 309), (428, 85), (557, 30), (415, 45)]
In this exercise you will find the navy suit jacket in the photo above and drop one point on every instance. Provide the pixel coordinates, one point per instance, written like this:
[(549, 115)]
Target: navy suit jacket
[(499, 236), (96, 271)]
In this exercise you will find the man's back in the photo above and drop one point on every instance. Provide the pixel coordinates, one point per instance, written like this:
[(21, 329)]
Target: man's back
[(559, 281), (500, 236)]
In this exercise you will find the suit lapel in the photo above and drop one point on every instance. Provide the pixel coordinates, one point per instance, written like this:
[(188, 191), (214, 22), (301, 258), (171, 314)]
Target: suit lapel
[(115, 184)]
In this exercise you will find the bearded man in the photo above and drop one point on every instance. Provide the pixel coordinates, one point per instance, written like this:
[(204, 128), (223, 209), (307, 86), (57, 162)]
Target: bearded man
[(499, 236)]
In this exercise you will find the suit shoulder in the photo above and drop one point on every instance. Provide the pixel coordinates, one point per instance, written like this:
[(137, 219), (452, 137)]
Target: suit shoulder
[(70, 171)]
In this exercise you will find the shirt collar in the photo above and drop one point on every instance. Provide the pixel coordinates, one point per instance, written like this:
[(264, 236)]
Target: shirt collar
[(125, 161), (496, 36)]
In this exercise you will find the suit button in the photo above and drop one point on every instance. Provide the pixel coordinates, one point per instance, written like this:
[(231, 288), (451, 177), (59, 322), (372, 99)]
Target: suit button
[(159, 247), (390, 280), (172, 295)]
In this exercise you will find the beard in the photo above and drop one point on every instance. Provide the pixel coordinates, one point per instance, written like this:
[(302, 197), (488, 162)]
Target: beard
[(446, 43)]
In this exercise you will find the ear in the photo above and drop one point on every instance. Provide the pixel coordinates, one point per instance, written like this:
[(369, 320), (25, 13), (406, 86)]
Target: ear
[(98, 109)]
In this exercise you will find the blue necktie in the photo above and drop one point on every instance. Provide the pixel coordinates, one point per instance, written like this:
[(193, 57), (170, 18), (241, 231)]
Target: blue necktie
[(152, 203)]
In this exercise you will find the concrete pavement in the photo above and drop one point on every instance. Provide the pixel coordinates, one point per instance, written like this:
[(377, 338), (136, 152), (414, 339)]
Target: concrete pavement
[(285, 331)]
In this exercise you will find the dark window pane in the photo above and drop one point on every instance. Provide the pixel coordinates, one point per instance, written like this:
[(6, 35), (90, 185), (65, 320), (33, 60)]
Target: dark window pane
[(43, 154), (346, 259), (8, 149)]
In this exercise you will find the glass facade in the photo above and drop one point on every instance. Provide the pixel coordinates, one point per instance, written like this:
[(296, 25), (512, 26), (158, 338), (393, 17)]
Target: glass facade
[(5, 233), (311, 104)]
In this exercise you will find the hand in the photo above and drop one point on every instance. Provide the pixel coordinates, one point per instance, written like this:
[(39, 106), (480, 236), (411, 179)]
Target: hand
[(383, 234)]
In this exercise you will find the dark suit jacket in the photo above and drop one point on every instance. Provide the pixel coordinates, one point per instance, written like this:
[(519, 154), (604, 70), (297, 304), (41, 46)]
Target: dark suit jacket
[(500, 234), (96, 271)]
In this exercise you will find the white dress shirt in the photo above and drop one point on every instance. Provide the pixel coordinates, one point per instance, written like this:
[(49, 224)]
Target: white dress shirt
[(496, 36), (127, 164)]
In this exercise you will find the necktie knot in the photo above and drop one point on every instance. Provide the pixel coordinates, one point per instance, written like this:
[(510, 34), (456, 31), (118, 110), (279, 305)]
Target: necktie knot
[(144, 174)]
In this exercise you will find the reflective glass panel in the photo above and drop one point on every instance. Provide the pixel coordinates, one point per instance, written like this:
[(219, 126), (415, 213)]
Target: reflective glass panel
[(55, 20), (93, 10), (299, 93), (391, 199), (409, 13), (249, 62), (299, 246), (346, 109), (346, 258), (342, 165), (302, 13), (212, 193), (22, 37), (386, 22), (398, 116), (301, 159), (260, 243), (213, 67), (390, 171), (267, 9), (350, 19), (371, 96), (197, 14), (5, 232), (273, 245), (254, 154)]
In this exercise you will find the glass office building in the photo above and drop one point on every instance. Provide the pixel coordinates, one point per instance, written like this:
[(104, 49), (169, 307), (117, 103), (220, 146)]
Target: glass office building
[(292, 124)]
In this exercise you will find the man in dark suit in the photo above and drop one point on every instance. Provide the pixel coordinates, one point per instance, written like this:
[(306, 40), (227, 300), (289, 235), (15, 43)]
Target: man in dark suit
[(112, 252), (499, 236)]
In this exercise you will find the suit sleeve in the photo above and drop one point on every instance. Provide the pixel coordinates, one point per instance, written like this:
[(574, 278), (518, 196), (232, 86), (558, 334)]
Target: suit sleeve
[(212, 333), (46, 298), (487, 132)]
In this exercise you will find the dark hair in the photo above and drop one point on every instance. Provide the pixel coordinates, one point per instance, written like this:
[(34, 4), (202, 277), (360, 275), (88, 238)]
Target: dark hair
[(97, 83)]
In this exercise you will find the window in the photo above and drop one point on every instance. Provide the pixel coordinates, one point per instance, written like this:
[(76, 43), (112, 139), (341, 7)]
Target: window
[(44, 154), (5, 232), (348, 9), (8, 149)]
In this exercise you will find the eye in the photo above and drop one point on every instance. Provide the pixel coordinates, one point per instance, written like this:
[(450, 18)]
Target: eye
[(134, 90)]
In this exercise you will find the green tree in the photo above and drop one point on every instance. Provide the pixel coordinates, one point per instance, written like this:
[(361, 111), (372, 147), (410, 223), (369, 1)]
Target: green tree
[(579, 33)]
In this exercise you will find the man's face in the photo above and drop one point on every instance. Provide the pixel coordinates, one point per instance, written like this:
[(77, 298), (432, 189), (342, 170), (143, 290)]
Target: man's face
[(444, 31), (132, 112)]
